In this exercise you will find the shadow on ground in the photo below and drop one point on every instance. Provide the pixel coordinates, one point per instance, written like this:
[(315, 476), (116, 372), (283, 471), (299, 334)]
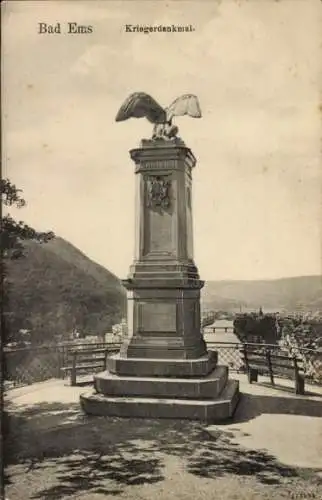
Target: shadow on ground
[(105, 455)]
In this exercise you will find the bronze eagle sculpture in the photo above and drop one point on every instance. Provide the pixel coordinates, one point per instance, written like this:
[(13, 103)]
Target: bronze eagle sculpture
[(140, 104)]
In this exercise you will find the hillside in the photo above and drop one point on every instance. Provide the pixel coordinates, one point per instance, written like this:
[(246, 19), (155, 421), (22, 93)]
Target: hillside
[(288, 293), (56, 288)]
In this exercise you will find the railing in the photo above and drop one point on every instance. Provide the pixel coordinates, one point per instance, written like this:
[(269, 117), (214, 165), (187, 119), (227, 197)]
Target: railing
[(229, 353), (24, 366), (35, 364), (221, 328), (67, 348)]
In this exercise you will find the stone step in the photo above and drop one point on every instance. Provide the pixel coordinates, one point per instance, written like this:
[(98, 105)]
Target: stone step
[(212, 410), (208, 387), (160, 345), (150, 367)]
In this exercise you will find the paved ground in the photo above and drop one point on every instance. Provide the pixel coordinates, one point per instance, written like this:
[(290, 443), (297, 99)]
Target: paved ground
[(271, 449), (286, 426)]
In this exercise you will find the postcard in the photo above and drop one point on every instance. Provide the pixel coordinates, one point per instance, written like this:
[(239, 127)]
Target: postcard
[(161, 249)]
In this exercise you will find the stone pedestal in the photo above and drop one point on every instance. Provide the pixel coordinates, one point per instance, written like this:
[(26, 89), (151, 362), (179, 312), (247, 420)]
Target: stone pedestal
[(163, 368)]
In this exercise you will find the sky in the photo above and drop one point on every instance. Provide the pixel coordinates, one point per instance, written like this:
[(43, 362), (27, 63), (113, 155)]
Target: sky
[(256, 67)]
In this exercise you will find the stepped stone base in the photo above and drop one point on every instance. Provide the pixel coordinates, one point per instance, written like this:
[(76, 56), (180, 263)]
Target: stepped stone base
[(188, 389), (208, 387), (209, 411)]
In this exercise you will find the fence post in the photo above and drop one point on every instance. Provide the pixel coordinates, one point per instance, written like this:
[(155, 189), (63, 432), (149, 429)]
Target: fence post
[(59, 361), (269, 364), (299, 379), (251, 375), (63, 354), (73, 371), (106, 356)]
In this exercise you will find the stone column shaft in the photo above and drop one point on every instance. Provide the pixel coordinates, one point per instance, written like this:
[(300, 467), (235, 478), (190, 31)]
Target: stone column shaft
[(163, 284)]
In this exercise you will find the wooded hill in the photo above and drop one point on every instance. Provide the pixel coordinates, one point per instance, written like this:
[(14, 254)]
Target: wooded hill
[(56, 288), (290, 293)]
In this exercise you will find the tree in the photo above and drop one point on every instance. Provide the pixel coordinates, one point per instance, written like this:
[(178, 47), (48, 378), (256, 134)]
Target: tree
[(12, 236), (248, 326), (13, 233)]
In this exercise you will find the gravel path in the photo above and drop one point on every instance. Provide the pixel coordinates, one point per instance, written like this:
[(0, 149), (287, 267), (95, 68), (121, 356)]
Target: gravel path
[(272, 449)]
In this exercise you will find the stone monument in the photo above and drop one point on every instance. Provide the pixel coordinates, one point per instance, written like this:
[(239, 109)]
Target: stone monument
[(163, 368)]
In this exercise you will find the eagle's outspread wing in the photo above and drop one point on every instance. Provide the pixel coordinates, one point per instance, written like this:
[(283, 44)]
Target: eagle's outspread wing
[(139, 105), (187, 104)]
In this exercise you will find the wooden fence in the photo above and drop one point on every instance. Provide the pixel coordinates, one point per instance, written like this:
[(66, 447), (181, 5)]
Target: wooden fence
[(34, 364)]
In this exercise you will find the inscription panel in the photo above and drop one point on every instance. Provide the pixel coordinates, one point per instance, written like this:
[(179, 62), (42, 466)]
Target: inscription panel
[(159, 206), (157, 317), (160, 232)]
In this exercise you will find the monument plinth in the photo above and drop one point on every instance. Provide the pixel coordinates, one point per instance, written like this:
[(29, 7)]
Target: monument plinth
[(163, 368), (163, 285)]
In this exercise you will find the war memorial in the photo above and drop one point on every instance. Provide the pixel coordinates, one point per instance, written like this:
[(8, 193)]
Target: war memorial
[(163, 369)]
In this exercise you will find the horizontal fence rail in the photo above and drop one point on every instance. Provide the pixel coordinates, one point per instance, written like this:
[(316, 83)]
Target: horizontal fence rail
[(230, 354), (28, 365), (36, 364)]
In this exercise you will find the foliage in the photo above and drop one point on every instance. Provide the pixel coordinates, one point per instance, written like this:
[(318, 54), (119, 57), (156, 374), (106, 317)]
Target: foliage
[(14, 233), (13, 237), (250, 325), (55, 289), (301, 337), (50, 289), (304, 333)]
